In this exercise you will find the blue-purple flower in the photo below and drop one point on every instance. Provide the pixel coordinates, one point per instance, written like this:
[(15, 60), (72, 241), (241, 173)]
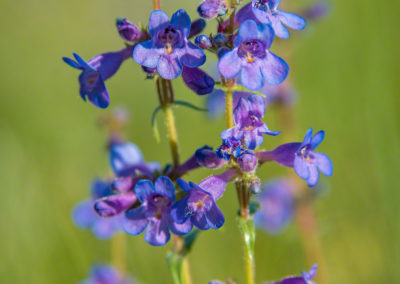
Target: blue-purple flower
[(209, 9), (230, 146), (169, 47), (85, 216), (266, 11), (198, 208), (197, 80), (104, 274), (306, 278), (249, 126), (154, 212), (128, 31), (127, 160), (252, 59), (276, 206), (95, 72)]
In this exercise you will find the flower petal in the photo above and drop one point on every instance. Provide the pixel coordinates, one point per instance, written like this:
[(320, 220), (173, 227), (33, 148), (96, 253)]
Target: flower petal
[(292, 20), (314, 175), (165, 187), (134, 221), (324, 164), (200, 221), (193, 56), (181, 229), (215, 185), (84, 215), (169, 67), (215, 218), (157, 233), (99, 96), (279, 29), (123, 157), (283, 154), (197, 80), (307, 138), (182, 20), (229, 64), (317, 139), (72, 63), (180, 210), (248, 30), (114, 204), (157, 20), (146, 54), (266, 34), (252, 76), (252, 139), (241, 112), (82, 62), (257, 105), (144, 189), (301, 167), (274, 69)]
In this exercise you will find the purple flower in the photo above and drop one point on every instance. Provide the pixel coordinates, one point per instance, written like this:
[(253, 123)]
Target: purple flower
[(85, 216), (154, 212), (197, 27), (198, 208), (208, 158), (197, 80), (276, 202), (95, 72), (169, 47), (128, 31), (305, 279), (317, 10), (230, 147), (209, 9), (247, 161), (252, 59), (307, 162), (301, 156), (105, 274), (266, 12), (249, 126), (127, 160)]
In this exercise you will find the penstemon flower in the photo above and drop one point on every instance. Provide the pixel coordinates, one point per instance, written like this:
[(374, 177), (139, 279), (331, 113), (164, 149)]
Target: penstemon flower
[(95, 72), (209, 9), (252, 59), (85, 217), (154, 212), (104, 274), (169, 47), (306, 278), (248, 124), (128, 31), (266, 12)]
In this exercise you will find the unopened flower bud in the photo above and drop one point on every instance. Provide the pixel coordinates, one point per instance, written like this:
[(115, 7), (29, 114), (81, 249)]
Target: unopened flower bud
[(203, 42), (208, 158), (247, 161), (197, 27), (128, 31), (219, 40)]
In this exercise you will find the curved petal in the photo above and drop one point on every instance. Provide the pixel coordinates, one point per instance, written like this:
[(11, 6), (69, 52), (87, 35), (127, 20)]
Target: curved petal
[(301, 167), (169, 67), (215, 218), (114, 204), (99, 96), (251, 76), (266, 34), (197, 80), (193, 56), (257, 105), (82, 62), (180, 229), (252, 139), (279, 29), (324, 164), (317, 139), (292, 20), (241, 112), (157, 20), (228, 133), (229, 64), (180, 211), (215, 185), (308, 137), (134, 221), (274, 69), (165, 187), (182, 20), (248, 30), (200, 221), (72, 63), (84, 215), (144, 189), (314, 175), (146, 54), (184, 185), (157, 232)]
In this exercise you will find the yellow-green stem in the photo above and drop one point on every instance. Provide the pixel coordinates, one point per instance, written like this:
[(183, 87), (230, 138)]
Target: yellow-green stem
[(156, 4), (186, 276), (250, 277), (229, 108), (118, 248), (172, 134)]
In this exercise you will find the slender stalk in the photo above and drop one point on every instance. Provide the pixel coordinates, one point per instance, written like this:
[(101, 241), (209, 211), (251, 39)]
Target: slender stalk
[(156, 4), (118, 248), (229, 108), (172, 134)]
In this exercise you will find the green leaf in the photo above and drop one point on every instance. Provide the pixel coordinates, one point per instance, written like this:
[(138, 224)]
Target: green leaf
[(244, 89), (189, 105), (249, 235), (189, 240), (175, 266), (154, 123)]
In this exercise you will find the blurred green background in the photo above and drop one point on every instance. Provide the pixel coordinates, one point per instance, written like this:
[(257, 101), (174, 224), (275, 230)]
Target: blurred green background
[(345, 68)]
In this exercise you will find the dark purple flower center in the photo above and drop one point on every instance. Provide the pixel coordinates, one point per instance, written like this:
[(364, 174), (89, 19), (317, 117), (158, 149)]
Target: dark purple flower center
[(90, 79), (263, 5), (198, 201), (252, 121), (306, 153), (158, 206), (170, 38), (252, 49)]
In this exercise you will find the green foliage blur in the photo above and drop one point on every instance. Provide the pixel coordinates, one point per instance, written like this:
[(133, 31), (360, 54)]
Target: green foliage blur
[(345, 69)]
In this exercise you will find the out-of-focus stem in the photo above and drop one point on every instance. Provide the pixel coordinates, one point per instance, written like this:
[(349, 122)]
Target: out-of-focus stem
[(118, 248), (229, 108), (156, 4), (172, 134)]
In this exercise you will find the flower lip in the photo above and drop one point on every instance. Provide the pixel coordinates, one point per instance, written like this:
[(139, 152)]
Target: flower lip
[(158, 205), (266, 5), (169, 38), (251, 49)]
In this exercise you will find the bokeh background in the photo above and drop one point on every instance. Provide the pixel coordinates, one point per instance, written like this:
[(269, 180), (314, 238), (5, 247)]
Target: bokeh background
[(345, 69)]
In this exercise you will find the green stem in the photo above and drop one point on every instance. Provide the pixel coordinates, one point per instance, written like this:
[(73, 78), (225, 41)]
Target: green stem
[(118, 248), (229, 108)]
